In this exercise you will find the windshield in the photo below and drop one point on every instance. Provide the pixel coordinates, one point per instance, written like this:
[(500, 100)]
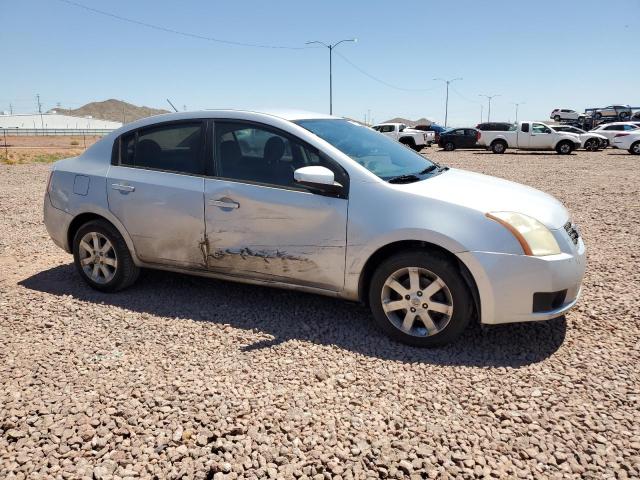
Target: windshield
[(379, 154)]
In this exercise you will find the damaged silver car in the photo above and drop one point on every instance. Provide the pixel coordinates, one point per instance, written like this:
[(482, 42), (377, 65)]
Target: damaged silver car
[(316, 203)]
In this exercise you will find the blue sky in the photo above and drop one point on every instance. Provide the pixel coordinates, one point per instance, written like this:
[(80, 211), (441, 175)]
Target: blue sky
[(569, 54)]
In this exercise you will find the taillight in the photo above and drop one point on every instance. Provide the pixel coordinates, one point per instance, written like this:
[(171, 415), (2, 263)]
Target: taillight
[(49, 181), (478, 135)]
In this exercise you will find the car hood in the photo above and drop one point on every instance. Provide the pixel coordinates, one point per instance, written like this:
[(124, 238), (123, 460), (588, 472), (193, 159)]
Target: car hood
[(490, 194)]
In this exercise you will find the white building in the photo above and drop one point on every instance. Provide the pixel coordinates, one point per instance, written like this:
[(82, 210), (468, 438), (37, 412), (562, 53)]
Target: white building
[(55, 121)]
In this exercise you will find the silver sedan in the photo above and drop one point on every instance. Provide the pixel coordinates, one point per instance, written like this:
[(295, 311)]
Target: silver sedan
[(316, 203)]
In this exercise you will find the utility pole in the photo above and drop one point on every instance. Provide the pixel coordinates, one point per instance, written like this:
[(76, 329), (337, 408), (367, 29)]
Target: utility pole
[(517, 105), (10, 109), (481, 110), (446, 103), (331, 47), (40, 112), (489, 97)]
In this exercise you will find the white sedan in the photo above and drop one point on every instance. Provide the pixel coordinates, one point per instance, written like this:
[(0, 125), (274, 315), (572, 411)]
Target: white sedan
[(591, 141), (610, 130), (628, 141), (320, 204)]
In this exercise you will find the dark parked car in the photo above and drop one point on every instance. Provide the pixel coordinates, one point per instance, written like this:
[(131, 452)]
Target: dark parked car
[(459, 138), (495, 126)]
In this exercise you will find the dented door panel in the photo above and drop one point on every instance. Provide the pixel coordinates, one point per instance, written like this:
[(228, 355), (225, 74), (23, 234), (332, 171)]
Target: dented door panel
[(161, 211), (274, 234)]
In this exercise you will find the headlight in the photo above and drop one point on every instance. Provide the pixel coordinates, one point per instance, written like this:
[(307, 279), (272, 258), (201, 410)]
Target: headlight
[(534, 238)]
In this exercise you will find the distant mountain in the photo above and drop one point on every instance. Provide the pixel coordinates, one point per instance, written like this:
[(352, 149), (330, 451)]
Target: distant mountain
[(410, 123), (114, 110)]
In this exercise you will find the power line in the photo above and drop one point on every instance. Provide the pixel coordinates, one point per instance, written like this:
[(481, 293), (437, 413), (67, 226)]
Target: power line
[(463, 97), (372, 77), (179, 32)]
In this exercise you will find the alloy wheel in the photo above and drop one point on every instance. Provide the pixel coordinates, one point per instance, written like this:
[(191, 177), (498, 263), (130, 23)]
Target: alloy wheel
[(98, 257), (417, 301)]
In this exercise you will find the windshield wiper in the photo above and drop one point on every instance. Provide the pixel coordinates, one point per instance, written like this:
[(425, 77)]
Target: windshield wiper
[(430, 168), (410, 178)]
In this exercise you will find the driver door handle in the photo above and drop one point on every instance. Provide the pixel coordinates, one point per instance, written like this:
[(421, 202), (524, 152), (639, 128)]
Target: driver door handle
[(224, 203), (123, 188)]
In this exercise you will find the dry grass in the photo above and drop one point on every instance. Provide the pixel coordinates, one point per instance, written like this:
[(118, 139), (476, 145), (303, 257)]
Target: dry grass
[(42, 149)]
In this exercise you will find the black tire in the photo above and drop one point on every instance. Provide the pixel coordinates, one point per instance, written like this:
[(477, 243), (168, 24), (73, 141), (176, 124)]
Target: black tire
[(592, 145), (449, 146), (417, 148), (597, 115), (564, 148), (624, 115), (634, 149), (447, 271), (604, 143), (557, 118), (125, 273), (499, 147)]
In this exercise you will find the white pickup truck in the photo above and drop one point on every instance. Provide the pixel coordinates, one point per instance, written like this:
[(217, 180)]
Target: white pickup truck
[(416, 139), (530, 136)]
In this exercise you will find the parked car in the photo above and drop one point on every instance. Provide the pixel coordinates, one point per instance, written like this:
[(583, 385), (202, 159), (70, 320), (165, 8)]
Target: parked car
[(621, 112), (559, 114), (495, 126), (628, 141), (610, 130), (530, 136), (459, 138), (436, 129), (590, 140), (415, 139), (320, 204)]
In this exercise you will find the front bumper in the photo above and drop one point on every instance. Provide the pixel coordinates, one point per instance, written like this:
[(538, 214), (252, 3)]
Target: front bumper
[(507, 283), (57, 223)]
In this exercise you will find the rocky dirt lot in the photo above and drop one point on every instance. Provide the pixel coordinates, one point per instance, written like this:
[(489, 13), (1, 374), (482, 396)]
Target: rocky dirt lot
[(182, 377)]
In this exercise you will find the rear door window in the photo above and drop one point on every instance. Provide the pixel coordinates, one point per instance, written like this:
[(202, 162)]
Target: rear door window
[(174, 147)]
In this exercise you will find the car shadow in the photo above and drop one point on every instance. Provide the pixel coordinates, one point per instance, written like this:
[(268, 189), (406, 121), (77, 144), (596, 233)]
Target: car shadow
[(520, 152), (290, 315)]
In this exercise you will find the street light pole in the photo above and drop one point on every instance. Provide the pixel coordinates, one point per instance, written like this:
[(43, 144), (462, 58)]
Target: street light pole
[(489, 97), (517, 105), (446, 102), (331, 47)]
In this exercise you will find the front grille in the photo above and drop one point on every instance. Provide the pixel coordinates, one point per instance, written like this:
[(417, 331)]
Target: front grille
[(572, 231)]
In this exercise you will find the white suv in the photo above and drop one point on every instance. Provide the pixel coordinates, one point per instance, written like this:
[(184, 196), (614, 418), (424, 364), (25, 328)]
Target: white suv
[(564, 114)]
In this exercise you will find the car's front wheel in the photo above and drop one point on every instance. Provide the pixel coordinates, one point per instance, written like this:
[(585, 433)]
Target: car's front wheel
[(635, 149), (102, 257), (557, 118), (592, 145), (420, 298), (564, 148)]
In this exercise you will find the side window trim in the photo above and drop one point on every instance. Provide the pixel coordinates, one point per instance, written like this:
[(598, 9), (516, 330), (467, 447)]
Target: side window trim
[(250, 123), (116, 154)]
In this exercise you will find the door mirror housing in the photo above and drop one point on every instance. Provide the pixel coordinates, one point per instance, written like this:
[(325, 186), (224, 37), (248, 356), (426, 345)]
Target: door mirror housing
[(317, 177)]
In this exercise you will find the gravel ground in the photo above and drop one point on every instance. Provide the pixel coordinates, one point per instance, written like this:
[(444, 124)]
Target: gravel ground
[(182, 377)]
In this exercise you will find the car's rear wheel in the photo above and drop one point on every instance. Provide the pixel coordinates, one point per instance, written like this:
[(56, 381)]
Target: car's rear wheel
[(624, 115), (449, 146), (498, 147), (420, 298), (592, 145), (635, 148), (557, 118), (564, 148), (102, 257)]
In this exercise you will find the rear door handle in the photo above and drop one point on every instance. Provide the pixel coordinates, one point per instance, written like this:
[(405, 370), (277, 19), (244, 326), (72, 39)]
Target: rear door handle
[(224, 203), (123, 188)]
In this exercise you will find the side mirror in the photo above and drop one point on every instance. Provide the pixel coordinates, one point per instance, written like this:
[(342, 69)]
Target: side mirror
[(317, 177)]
